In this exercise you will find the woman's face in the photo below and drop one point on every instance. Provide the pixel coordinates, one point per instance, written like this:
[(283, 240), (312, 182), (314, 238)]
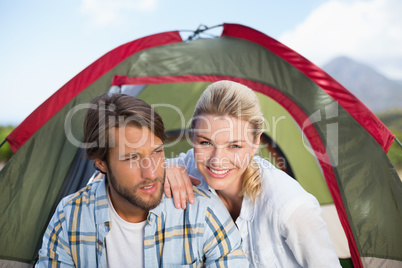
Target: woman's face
[(223, 148)]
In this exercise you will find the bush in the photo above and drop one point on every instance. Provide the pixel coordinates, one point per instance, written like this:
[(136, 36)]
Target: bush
[(5, 150)]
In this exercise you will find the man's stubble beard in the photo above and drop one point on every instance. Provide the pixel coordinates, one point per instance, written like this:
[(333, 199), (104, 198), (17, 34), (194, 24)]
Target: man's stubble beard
[(131, 194)]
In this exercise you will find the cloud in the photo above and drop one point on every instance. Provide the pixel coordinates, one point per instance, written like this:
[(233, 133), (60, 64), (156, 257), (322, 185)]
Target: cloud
[(365, 30), (114, 12)]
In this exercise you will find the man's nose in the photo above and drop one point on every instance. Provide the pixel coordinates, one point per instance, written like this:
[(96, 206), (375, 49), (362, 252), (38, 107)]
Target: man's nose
[(148, 169)]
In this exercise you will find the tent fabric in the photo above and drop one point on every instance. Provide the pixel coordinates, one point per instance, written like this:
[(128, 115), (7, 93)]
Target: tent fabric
[(347, 100), (93, 72), (363, 184)]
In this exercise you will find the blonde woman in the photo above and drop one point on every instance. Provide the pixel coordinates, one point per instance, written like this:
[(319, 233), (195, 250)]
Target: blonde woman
[(278, 220)]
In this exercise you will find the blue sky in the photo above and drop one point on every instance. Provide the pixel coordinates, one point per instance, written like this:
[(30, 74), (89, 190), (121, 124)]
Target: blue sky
[(45, 43)]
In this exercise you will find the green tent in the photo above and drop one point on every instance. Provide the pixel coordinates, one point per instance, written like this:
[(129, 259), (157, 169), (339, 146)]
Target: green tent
[(316, 130)]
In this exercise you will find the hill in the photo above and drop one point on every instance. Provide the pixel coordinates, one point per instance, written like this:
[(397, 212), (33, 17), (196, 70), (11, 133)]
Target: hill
[(375, 90), (381, 95)]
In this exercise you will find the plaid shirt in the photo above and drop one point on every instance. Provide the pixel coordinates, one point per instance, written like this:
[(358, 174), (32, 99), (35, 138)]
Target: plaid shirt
[(203, 234)]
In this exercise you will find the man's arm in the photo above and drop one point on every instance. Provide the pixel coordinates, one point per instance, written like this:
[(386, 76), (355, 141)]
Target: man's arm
[(222, 244), (55, 251)]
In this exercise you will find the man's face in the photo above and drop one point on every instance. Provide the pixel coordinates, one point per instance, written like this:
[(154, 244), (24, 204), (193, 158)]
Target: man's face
[(135, 168)]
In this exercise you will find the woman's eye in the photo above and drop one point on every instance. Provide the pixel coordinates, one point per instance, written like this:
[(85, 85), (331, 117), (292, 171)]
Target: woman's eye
[(235, 146), (205, 143)]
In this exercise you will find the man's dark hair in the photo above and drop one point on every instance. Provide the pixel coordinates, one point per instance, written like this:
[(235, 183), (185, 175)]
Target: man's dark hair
[(114, 111)]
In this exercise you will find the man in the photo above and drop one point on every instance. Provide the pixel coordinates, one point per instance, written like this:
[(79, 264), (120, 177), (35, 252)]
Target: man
[(125, 220)]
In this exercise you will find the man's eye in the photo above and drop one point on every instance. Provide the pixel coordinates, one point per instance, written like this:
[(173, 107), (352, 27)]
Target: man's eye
[(133, 157), (159, 151), (235, 146)]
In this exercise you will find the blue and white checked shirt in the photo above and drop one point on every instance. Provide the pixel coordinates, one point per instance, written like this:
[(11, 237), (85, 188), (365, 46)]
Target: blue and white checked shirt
[(203, 234)]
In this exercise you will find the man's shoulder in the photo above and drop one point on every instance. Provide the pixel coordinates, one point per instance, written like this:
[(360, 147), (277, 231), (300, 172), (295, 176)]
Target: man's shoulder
[(204, 201), (79, 211), (87, 196), (209, 202), (201, 193)]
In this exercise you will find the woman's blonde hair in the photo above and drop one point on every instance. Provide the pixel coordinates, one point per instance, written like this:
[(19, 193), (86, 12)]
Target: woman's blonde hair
[(228, 98)]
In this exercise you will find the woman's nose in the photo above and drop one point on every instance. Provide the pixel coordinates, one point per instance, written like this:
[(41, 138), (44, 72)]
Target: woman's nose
[(218, 157)]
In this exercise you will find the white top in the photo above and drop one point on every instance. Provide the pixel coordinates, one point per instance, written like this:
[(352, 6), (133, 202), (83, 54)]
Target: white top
[(283, 228), (124, 242)]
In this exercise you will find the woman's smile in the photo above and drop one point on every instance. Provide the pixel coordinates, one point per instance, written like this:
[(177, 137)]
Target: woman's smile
[(218, 173)]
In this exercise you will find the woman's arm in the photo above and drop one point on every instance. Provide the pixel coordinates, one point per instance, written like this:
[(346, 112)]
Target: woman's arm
[(308, 237), (179, 184)]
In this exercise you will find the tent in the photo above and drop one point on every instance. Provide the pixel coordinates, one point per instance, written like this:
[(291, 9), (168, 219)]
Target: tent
[(315, 129)]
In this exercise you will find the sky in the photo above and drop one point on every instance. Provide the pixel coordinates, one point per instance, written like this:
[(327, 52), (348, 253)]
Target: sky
[(44, 43)]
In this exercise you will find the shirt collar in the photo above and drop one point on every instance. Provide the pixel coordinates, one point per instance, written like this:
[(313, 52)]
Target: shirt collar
[(101, 203), (247, 209), (161, 207)]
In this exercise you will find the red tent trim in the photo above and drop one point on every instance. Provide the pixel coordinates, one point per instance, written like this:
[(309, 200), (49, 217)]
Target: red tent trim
[(297, 113), (104, 64), (348, 101), (81, 81), (65, 94)]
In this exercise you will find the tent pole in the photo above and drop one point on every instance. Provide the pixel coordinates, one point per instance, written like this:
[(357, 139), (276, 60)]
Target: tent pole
[(398, 141), (3, 142), (201, 28)]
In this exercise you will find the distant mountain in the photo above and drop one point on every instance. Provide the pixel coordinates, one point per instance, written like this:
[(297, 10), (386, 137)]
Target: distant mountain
[(375, 90)]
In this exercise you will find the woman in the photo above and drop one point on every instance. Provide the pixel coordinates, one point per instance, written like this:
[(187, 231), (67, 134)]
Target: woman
[(279, 221)]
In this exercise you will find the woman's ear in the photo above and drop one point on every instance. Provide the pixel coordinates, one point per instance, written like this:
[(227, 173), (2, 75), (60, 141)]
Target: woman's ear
[(102, 166)]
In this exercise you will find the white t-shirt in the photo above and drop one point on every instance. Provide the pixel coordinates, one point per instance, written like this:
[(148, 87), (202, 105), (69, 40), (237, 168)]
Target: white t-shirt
[(124, 242)]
